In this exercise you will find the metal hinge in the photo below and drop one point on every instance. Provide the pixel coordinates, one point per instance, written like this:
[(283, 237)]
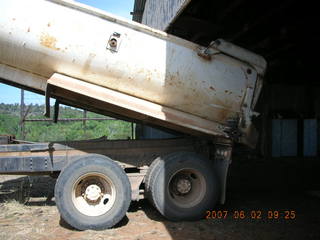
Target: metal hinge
[(208, 52)]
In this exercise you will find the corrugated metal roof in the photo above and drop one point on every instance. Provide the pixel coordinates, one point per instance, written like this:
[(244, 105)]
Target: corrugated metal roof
[(138, 10)]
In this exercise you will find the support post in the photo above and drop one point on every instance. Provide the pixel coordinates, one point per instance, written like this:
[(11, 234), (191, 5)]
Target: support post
[(84, 118), (22, 130)]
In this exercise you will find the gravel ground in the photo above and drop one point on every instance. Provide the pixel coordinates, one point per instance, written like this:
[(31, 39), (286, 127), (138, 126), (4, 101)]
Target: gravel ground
[(246, 215)]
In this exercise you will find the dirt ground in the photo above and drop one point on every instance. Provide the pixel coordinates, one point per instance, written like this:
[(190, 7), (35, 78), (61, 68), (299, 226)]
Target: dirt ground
[(246, 215)]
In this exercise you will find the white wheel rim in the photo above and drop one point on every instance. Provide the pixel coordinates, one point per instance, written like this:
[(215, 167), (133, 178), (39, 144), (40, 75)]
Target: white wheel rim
[(187, 188), (93, 194)]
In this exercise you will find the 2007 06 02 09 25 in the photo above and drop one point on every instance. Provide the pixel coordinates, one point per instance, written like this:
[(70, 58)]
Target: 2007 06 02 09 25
[(253, 214)]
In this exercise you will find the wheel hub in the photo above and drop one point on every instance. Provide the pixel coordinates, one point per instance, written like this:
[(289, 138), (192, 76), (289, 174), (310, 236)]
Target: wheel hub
[(182, 185), (93, 193)]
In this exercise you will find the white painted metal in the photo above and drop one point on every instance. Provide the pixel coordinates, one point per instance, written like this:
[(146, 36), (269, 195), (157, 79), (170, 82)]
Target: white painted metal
[(256, 61), (93, 194), (40, 37)]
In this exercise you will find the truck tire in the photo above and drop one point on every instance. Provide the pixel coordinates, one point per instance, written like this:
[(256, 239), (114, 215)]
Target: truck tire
[(93, 192), (147, 178), (182, 186)]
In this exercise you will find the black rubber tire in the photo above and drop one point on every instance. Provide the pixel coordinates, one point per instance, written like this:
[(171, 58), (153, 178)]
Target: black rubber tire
[(72, 172), (158, 178), (148, 176)]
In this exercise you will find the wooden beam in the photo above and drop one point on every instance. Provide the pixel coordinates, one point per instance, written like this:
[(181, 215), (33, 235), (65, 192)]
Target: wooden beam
[(161, 14)]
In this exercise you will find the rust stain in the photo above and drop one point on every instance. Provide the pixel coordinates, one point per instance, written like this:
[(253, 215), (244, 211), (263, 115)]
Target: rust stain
[(87, 63), (221, 115), (48, 41), (28, 29), (49, 25), (212, 88), (173, 79), (13, 19)]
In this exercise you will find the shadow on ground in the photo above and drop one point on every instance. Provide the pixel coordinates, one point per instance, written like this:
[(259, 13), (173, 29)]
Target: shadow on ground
[(23, 188), (251, 215)]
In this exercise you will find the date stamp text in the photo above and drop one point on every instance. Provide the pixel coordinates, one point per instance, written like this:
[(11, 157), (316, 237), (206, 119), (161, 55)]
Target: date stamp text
[(251, 214)]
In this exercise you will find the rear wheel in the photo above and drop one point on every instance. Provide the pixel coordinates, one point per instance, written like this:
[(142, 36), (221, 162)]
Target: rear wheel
[(182, 186), (93, 192)]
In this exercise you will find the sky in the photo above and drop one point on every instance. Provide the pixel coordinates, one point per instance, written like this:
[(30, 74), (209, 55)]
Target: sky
[(121, 8)]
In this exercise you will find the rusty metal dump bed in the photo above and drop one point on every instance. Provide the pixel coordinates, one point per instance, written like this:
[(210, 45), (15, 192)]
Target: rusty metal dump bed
[(97, 61)]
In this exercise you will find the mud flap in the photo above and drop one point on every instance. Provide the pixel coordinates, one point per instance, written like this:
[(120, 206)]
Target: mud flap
[(222, 160)]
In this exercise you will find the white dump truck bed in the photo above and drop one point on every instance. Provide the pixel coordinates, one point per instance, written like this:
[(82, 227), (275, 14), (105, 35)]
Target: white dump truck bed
[(92, 59)]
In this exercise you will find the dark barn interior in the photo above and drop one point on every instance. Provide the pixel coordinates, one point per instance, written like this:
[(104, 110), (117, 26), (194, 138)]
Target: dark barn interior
[(285, 33)]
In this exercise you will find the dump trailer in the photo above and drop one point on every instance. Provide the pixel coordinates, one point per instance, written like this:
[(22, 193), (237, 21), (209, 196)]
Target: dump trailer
[(87, 58)]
